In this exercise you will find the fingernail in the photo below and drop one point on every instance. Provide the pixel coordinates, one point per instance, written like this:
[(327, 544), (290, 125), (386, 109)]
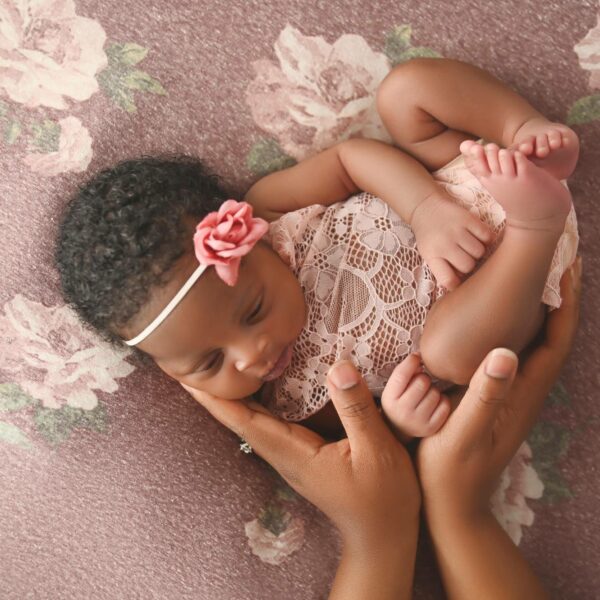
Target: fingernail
[(501, 363), (343, 375)]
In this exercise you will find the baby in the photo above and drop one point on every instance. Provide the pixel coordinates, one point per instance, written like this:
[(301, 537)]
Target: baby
[(338, 275)]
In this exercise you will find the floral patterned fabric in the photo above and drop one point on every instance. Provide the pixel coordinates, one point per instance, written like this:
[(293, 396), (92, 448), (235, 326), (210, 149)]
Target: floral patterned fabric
[(114, 483)]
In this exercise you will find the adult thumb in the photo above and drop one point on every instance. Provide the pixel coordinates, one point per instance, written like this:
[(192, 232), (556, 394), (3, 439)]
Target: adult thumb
[(355, 405), (488, 390)]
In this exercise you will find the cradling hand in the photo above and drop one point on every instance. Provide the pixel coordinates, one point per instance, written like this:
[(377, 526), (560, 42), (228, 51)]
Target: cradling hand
[(365, 483), (459, 465)]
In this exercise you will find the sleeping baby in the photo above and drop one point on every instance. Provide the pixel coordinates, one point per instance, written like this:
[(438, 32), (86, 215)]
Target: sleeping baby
[(433, 251)]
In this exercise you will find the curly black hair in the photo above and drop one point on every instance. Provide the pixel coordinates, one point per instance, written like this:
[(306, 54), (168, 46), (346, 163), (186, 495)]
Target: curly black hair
[(123, 231)]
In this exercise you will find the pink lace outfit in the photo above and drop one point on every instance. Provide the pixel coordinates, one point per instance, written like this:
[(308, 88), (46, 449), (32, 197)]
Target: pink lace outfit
[(367, 288)]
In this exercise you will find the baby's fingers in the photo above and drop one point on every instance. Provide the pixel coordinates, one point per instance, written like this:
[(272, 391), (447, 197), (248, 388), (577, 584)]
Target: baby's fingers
[(461, 260), (471, 245), (401, 377), (444, 273), (439, 415), (480, 230)]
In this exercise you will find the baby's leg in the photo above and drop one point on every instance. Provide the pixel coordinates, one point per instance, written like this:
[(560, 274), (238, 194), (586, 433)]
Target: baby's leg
[(499, 305), (430, 106)]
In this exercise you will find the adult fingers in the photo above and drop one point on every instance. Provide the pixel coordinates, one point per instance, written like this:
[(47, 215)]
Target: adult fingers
[(472, 422), (562, 323), (355, 406), (561, 327), (542, 366), (284, 445)]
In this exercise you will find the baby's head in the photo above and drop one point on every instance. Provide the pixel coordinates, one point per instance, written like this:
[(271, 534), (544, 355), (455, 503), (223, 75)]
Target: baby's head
[(124, 250)]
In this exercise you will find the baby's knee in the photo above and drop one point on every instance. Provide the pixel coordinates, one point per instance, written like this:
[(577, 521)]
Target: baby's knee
[(443, 357), (394, 92)]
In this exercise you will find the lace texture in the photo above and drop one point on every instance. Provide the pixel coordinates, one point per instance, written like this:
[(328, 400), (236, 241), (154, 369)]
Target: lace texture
[(367, 289)]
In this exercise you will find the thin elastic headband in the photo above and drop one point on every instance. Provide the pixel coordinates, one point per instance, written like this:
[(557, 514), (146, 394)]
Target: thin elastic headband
[(167, 309)]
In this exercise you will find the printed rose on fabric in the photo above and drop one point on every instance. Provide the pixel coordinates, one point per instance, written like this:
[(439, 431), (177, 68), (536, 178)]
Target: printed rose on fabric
[(588, 51), (275, 535), (517, 482), (48, 53), (319, 94), (74, 151), (50, 356)]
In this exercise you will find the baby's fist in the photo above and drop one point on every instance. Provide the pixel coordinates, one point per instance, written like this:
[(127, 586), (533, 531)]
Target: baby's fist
[(413, 406)]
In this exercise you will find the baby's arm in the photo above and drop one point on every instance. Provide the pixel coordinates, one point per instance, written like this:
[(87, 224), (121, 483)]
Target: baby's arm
[(448, 237), (345, 169)]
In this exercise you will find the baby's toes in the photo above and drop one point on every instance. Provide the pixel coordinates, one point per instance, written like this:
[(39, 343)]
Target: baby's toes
[(554, 139), (527, 145), (476, 161), (542, 148), (491, 153), (507, 163), (466, 146)]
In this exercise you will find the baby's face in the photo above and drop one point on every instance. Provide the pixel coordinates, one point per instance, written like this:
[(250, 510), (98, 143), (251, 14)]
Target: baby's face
[(222, 339)]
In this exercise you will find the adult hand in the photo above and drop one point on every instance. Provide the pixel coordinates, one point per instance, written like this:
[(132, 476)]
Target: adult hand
[(365, 483), (346, 479), (461, 463)]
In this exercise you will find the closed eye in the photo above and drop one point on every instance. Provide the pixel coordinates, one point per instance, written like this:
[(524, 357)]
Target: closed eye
[(208, 367), (256, 311)]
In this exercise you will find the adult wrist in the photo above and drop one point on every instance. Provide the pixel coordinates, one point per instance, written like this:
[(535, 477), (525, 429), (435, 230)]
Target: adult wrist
[(385, 540)]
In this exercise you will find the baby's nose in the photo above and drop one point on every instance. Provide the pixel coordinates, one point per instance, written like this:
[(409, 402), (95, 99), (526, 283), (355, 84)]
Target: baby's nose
[(252, 354)]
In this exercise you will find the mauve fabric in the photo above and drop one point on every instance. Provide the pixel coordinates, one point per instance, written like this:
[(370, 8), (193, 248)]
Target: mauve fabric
[(153, 504)]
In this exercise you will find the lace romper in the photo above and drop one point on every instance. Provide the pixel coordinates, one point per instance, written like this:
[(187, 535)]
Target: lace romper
[(367, 289)]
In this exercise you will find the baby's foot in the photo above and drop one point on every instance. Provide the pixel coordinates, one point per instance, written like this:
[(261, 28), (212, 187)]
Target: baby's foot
[(531, 197), (552, 146)]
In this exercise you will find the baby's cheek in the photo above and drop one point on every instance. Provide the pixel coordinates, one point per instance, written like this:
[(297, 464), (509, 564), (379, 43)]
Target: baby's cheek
[(232, 387)]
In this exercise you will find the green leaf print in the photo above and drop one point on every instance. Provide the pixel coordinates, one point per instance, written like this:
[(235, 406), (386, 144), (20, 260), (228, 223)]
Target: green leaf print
[(11, 434), (120, 80), (12, 131), (549, 442), (13, 398), (266, 156), (398, 49), (3, 108), (127, 54), (558, 396), (586, 109), (57, 425), (274, 518), (140, 80)]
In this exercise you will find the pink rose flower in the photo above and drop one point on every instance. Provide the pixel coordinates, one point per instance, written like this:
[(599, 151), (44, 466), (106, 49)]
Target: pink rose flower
[(517, 482), (319, 94), (588, 51), (224, 236), (53, 358), (48, 53), (270, 547), (74, 151)]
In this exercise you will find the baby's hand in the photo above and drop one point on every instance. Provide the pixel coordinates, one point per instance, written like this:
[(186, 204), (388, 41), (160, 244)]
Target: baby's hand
[(449, 238), (411, 404)]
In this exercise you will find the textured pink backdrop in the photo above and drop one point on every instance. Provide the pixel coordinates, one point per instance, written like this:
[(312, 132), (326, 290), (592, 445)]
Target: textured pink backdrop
[(114, 483)]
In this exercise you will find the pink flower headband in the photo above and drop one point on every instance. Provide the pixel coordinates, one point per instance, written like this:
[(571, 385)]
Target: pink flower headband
[(221, 239)]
